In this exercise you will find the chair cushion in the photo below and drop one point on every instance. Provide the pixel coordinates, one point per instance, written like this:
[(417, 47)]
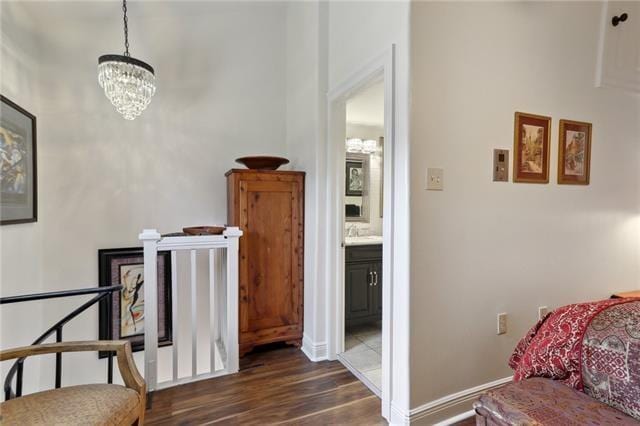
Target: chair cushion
[(539, 401), (96, 404)]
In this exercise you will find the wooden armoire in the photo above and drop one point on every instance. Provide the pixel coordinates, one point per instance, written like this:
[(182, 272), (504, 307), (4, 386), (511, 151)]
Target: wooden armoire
[(269, 208)]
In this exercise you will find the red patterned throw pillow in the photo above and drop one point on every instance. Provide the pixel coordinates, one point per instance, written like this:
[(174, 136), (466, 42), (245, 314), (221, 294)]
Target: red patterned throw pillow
[(553, 347)]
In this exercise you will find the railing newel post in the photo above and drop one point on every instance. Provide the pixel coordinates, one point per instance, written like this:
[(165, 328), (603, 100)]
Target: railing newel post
[(150, 238), (233, 234)]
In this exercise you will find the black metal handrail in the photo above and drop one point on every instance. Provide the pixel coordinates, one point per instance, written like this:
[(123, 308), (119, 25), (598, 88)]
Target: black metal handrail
[(17, 369)]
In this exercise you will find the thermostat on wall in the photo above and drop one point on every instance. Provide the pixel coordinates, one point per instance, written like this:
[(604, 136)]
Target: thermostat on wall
[(500, 165)]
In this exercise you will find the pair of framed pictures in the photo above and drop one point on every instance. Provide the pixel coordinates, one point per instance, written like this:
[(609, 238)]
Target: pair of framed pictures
[(123, 318), (532, 146)]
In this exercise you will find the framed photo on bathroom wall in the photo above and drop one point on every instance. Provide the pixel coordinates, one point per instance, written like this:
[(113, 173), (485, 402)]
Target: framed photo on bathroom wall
[(531, 148), (355, 178), (574, 153)]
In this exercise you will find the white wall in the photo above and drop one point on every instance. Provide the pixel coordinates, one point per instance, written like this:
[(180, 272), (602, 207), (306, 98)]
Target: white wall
[(221, 94), (479, 248), (20, 246)]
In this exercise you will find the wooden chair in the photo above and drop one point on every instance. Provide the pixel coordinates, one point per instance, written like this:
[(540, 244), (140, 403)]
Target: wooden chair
[(94, 404)]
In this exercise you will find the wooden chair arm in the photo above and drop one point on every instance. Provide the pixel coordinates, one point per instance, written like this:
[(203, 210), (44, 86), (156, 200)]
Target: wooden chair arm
[(130, 375)]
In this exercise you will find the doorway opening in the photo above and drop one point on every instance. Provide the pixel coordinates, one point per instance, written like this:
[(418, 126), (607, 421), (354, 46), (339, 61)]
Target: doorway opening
[(363, 189), (380, 70)]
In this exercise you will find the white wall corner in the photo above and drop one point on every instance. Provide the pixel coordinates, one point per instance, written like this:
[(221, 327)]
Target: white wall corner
[(315, 351)]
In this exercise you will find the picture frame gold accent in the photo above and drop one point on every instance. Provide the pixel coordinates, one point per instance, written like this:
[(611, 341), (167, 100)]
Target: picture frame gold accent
[(531, 148), (574, 152)]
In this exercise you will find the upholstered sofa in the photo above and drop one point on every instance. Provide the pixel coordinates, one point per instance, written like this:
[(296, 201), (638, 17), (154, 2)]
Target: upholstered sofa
[(578, 366)]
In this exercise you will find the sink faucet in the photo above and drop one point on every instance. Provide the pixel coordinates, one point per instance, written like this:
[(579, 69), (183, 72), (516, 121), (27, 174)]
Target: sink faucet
[(352, 231)]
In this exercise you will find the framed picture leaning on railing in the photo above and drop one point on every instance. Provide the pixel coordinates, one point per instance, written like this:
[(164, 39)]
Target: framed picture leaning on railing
[(125, 266)]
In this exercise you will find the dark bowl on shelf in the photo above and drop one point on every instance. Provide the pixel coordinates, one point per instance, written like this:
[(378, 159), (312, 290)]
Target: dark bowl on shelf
[(262, 162), (203, 230)]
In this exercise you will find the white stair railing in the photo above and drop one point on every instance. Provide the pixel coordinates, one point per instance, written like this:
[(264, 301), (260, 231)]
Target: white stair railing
[(222, 303)]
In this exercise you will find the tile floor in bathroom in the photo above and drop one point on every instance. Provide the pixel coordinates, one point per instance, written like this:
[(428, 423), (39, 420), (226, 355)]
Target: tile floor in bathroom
[(363, 350)]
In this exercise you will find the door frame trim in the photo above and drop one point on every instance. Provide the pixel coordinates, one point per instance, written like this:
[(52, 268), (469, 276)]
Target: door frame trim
[(381, 68)]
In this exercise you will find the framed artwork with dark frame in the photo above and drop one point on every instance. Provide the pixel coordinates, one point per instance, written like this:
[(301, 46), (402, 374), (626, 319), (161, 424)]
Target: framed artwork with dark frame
[(531, 146), (125, 266), (574, 153), (355, 178), (18, 163)]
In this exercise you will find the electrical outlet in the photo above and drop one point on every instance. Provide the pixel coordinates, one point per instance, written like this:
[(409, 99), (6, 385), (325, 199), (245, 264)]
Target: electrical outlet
[(502, 323), (542, 312)]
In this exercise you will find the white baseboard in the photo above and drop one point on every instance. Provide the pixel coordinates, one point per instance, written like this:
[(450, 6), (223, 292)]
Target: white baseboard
[(455, 419), (314, 351), (446, 410)]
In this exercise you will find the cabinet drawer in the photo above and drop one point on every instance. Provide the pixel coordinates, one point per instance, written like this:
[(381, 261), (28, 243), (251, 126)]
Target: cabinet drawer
[(363, 253)]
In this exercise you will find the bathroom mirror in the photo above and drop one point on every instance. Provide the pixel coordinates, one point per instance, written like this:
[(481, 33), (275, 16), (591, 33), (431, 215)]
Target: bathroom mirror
[(357, 176)]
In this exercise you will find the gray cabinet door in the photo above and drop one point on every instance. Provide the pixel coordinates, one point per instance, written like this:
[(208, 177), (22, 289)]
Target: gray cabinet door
[(359, 300)]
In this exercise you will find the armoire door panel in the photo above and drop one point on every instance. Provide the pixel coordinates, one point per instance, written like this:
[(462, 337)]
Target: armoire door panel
[(268, 207)]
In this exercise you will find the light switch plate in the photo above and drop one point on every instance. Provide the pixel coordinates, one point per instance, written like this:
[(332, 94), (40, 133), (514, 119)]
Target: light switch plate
[(501, 165), (502, 323), (435, 179)]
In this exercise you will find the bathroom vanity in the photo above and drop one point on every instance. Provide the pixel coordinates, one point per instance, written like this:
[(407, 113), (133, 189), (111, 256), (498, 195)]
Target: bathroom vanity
[(363, 280)]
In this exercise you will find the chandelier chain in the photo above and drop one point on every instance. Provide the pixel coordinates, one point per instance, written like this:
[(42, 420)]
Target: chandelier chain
[(126, 28)]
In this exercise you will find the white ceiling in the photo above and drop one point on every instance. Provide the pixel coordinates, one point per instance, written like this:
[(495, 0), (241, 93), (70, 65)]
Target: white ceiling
[(367, 107)]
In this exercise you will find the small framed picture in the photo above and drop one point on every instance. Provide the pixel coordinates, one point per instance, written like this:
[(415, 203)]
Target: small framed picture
[(574, 153), (18, 175), (355, 178), (531, 148), (125, 266)]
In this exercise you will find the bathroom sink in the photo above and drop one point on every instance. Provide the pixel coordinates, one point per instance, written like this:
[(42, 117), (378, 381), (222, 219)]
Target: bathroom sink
[(363, 241)]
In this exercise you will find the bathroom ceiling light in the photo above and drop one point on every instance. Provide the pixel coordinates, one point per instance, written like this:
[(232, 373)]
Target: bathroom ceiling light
[(369, 146), (128, 83), (354, 145)]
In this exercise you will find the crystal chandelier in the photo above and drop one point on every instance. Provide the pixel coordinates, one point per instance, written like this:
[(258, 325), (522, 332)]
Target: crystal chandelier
[(129, 83)]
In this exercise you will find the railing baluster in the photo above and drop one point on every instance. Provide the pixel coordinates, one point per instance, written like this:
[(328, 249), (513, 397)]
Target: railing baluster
[(174, 311), (109, 321), (194, 316), (19, 378), (212, 309), (59, 360)]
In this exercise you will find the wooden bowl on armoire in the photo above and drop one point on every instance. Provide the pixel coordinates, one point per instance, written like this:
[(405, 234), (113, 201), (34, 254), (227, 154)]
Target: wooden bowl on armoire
[(262, 162)]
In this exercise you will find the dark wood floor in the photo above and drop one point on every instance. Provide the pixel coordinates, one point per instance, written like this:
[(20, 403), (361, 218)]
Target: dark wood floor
[(279, 386)]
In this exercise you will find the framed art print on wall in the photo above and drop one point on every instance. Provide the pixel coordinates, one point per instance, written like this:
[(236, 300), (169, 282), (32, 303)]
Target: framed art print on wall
[(354, 175), (531, 148), (18, 171), (574, 153), (125, 266)]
